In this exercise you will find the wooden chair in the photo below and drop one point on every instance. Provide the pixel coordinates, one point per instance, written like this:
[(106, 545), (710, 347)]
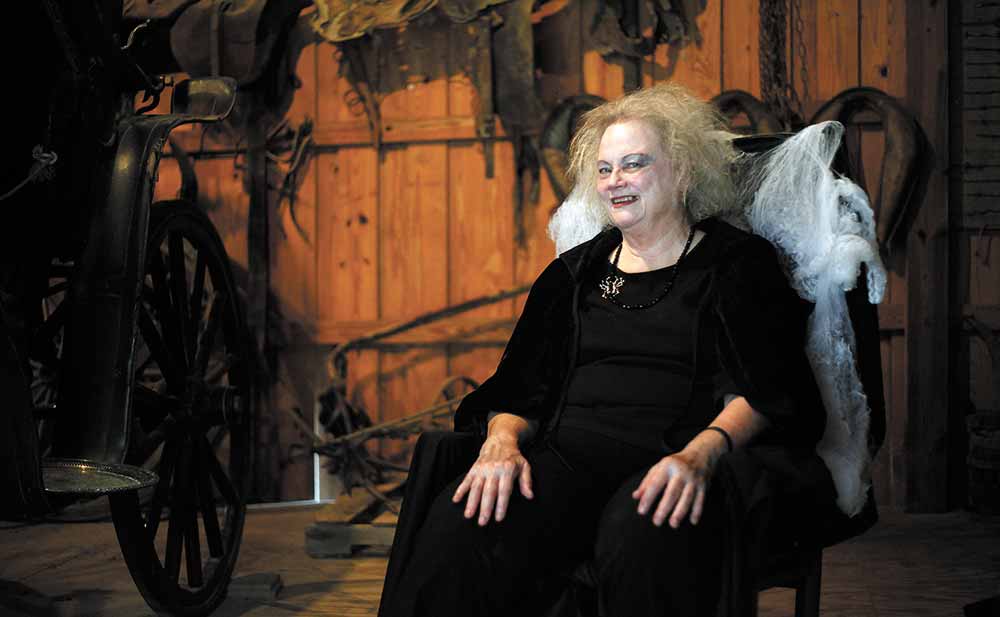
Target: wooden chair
[(799, 566), (756, 563)]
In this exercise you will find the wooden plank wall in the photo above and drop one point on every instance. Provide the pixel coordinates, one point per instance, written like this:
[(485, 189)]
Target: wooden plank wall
[(415, 226)]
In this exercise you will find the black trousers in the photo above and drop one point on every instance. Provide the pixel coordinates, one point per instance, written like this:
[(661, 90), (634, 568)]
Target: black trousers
[(578, 548)]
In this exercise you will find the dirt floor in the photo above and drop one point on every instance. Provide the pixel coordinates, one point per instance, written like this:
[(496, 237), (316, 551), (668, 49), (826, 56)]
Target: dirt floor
[(913, 565)]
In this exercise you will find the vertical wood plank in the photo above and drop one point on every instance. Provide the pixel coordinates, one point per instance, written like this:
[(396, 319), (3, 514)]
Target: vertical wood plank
[(413, 229), (883, 65), (413, 276), (293, 251), (883, 46), (836, 47), (881, 475), (740, 21), (929, 286), (481, 241), (347, 236), (981, 286)]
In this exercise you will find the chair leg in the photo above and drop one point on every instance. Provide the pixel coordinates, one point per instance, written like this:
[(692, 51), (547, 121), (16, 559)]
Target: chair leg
[(807, 594)]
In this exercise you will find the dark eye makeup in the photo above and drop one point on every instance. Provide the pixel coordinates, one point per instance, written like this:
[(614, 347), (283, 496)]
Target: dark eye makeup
[(629, 162)]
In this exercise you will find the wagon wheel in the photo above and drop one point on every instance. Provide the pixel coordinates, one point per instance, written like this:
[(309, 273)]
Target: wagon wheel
[(191, 415)]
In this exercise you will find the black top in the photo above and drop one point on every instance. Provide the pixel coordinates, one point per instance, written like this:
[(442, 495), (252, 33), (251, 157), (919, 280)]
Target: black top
[(633, 376)]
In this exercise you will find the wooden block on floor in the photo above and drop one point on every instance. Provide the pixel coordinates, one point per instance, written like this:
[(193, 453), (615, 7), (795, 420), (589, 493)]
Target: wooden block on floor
[(325, 540), (354, 521), (356, 506), (263, 587)]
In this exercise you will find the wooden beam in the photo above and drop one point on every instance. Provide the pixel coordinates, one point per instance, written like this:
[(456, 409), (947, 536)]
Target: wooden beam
[(929, 286), (424, 130), (478, 329)]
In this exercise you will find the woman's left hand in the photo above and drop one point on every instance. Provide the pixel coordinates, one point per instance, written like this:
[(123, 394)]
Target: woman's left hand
[(680, 482)]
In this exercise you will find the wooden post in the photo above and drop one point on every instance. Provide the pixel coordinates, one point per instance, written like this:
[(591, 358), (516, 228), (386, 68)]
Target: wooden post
[(929, 289), (258, 286)]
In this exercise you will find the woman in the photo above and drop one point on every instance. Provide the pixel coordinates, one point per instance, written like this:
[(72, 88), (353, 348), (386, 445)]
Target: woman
[(642, 356)]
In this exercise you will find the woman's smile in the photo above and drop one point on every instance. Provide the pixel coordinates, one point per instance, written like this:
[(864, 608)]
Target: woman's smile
[(624, 200)]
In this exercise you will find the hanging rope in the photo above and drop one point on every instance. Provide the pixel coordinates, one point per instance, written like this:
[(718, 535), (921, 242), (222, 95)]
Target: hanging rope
[(43, 160)]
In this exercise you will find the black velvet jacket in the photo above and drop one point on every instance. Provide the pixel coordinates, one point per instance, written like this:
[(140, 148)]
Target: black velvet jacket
[(777, 491), (748, 312)]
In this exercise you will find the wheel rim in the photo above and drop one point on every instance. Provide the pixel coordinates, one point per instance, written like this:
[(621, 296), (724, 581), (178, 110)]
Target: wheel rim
[(190, 413)]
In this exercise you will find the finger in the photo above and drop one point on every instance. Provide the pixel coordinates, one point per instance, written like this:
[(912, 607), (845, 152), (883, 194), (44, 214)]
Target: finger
[(699, 505), (525, 478), (463, 488), (683, 505), (641, 489), (505, 486), (655, 481), (489, 498), (670, 495), (475, 491)]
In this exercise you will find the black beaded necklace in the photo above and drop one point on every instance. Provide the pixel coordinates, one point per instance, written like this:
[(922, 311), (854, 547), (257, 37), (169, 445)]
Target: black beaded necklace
[(612, 284)]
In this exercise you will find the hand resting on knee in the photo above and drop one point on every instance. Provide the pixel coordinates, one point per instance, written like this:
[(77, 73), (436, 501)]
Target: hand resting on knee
[(490, 482), (680, 480)]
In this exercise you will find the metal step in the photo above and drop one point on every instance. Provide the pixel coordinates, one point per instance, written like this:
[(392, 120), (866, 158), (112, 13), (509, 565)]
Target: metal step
[(69, 476)]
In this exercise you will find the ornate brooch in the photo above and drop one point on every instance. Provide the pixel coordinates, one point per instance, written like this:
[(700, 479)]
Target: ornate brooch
[(610, 286)]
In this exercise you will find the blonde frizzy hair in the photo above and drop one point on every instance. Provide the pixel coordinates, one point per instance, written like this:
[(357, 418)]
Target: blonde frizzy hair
[(692, 134)]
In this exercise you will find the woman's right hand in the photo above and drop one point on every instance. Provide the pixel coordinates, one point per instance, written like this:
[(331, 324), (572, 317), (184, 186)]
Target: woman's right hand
[(490, 481)]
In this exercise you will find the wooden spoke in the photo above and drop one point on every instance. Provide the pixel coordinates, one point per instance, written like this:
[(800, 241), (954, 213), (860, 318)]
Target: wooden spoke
[(157, 408), (162, 492), (207, 340), (192, 544), (178, 291), (197, 296), (218, 473), (207, 502), (158, 350), (179, 512), (169, 320)]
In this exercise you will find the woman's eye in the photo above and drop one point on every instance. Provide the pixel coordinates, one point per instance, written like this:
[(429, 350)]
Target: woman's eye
[(603, 171)]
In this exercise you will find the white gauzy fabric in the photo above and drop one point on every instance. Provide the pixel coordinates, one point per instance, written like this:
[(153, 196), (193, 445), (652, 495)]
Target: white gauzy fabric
[(573, 222), (825, 227)]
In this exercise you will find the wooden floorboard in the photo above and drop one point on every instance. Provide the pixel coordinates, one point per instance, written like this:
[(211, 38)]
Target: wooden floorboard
[(912, 565)]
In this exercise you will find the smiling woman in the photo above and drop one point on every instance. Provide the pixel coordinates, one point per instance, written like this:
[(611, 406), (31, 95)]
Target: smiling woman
[(644, 354)]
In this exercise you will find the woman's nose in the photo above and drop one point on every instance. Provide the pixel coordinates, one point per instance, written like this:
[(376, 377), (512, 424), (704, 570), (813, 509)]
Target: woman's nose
[(616, 180)]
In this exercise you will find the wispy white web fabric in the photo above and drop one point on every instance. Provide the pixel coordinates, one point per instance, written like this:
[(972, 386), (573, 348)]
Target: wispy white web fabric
[(825, 228)]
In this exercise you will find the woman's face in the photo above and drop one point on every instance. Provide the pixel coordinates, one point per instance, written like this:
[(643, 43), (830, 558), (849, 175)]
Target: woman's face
[(634, 177)]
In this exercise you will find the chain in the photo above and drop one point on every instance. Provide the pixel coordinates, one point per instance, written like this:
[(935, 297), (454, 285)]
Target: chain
[(773, 73), (800, 50), (776, 87)]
